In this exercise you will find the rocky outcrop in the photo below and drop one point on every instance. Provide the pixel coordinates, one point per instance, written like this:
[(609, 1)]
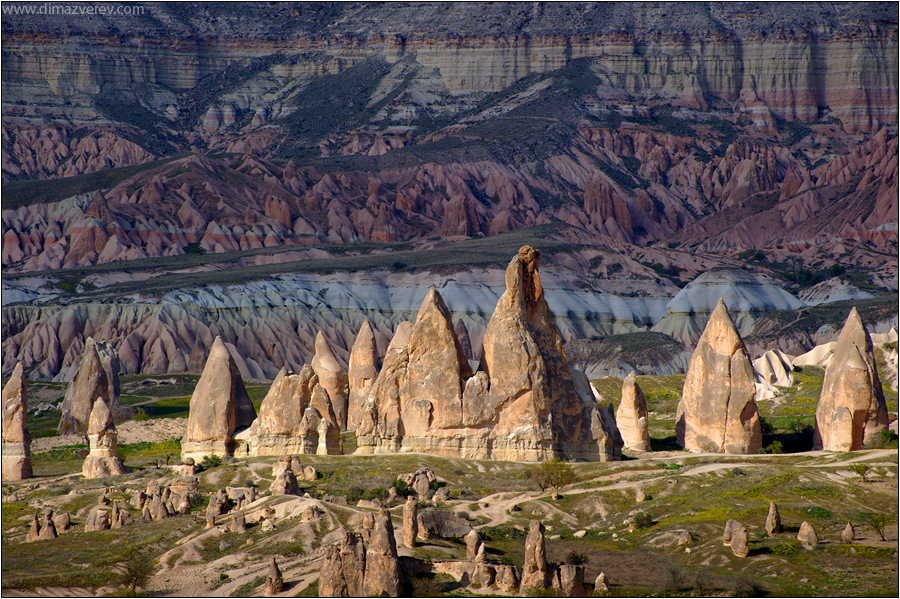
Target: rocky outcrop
[(344, 567), (16, 440), (525, 403), (851, 408), (441, 524), (410, 522), (807, 536), (361, 371), (219, 407), (569, 580), (631, 417), (285, 482), (773, 520), (295, 417), (421, 481), (717, 412), (97, 376), (740, 546), (103, 460), (382, 572), (274, 580), (473, 543), (535, 572), (848, 534), (331, 378), (97, 519)]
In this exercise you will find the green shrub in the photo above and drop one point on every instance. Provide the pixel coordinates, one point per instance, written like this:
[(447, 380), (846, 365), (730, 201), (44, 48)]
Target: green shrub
[(576, 559), (555, 473), (210, 461), (789, 548), (861, 470), (642, 520)]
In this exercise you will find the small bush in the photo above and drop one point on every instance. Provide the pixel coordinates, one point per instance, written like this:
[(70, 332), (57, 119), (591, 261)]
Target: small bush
[(861, 470), (576, 559), (140, 415), (817, 512), (210, 461), (402, 488), (785, 549), (136, 569), (773, 447), (555, 473), (642, 520)]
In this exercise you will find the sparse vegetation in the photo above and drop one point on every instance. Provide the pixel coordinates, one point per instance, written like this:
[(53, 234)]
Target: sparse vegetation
[(553, 474)]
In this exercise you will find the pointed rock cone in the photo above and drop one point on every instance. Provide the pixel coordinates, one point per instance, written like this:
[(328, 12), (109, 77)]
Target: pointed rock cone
[(274, 581), (35, 531), (219, 407), (239, 524), (465, 342), (535, 572), (16, 454), (807, 536), (380, 415), (410, 522), (601, 585), (773, 520), (97, 376), (103, 460), (382, 570), (48, 528), (344, 568), (362, 370), (848, 534), (435, 372), (331, 377), (631, 417), (851, 408), (717, 412)]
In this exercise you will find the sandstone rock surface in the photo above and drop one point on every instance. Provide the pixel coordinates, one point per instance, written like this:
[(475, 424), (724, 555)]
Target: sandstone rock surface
[(103, 459), (362, 369), (16, 440), (631, 417), (274, 580), (717, 412), (739, 542), (344, 568), (523, 404), (326, 366), (807, 536), (441, 524), (773, 520), (219, 407), (382, 572), (535, 571), (848, 534), (410, 522), (851, 408), (97, 376)]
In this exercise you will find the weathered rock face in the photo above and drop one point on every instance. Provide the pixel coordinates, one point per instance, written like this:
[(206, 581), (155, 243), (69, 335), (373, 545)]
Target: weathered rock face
[(382, 572), (717, 412), (524, 403), (465, 342), (535, 572), (807, 536), (103, 460), (274, 581), (97, 376), (441, 524), (331, 377), (601, 584), (219, 407), (631, 417), (739, 542), (98, 519), (851, 408), (16, 440), (291, 416), (773, 520), (410, 522), (285, 482), (848, 534), (730, 526), (362, 369), (571, 580), (344, 568)]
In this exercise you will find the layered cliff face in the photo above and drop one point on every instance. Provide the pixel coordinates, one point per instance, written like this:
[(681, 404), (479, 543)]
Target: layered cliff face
[(656, 142)]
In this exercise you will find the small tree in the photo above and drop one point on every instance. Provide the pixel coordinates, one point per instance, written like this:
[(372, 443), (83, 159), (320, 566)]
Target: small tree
[(878, 521), (555, 473), (137, 569), (860, 469)]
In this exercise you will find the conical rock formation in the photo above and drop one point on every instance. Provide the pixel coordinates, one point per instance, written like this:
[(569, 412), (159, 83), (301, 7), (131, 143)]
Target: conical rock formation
[(361, 372), (717, 412), (274, 580), (331, 377), (16, 440), (219, 407), (524, 403), (382, 576), (851, 408), (103, 460), (631, 417), (97, 376), (535, 572)]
